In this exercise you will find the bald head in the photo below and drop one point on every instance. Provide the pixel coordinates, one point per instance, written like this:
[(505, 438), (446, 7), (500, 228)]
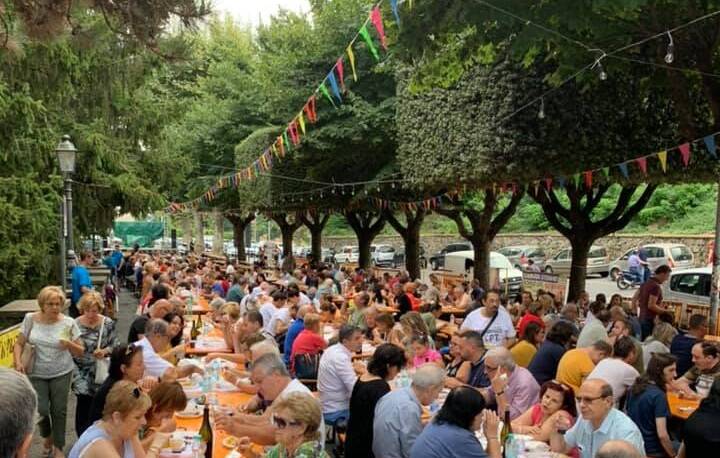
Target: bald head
[(618, 449), (161, 308)]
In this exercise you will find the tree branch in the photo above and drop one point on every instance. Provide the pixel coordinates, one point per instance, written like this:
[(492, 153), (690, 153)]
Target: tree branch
[(630, 212), (504, 216), (456, 216), (622, 203)]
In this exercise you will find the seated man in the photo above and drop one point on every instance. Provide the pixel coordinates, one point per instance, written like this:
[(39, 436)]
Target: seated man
[(155, 340), (273, 380), (513, 387), (682, 344), (578, 363), (337, 374), (472, 350), (706, 368), (600, 422), (618, 370), (595, 329), (398, 414), (158, 310), (18, 405), (622, 328)]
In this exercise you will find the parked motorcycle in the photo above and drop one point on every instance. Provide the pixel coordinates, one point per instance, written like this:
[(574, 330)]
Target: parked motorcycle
[(627, 280)]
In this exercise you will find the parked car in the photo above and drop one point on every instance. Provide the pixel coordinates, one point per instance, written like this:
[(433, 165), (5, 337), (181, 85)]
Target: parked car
[(509, 277), (384, 255), (230, 250), (519, 254), (400, 257), (691, 286), (675, 255), (437, 261), (347, 254), (328, 255), (597, 262)]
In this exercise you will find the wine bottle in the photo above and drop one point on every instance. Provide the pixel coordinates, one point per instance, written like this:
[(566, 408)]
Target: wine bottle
[(506, 433), (206, 432), (194, 332)]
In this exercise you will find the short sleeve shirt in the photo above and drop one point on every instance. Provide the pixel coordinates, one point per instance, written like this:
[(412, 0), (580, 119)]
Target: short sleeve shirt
[(500, 329), (701, 381), (616, 426), (643, 409), (51, 360), (647, 289), (446, 441), (574, 366), (545, 362), (80, 278), (155, 365), (619, 374)]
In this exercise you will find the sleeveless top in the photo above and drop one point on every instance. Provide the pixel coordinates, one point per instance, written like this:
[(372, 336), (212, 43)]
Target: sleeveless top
[(93, 434)]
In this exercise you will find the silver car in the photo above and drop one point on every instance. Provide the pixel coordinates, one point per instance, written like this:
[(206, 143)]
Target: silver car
[(689, 286), (597, 262), (675, 255), (519, 254)]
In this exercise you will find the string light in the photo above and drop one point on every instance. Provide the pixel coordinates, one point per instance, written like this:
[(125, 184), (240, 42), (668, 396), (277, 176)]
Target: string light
[(601, 71), (541, 113), (670, 54)]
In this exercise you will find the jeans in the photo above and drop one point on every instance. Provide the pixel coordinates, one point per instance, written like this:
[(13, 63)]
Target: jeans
[(646, 327), (333, 417), (52, 406)]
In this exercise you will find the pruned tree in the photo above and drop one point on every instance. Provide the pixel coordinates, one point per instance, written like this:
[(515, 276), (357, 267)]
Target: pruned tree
[(288, 224), (410, 233), (315, 221), (366, 224), (240, 222)]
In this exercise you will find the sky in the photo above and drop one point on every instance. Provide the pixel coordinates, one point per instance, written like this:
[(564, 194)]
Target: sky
[(252, 11)]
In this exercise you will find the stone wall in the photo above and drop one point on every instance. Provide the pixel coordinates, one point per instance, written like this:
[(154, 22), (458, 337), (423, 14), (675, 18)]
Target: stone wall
[(615, 244)]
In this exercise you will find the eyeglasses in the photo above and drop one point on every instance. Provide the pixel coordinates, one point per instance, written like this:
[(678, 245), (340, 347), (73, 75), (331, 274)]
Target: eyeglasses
[(489, 369), (282, 423), (587, 400)]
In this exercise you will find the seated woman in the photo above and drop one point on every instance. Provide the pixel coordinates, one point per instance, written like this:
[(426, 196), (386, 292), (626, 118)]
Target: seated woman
[(167, 398), (431, 315), (451, 434), (556, 399), (658, 342), (422, 353), (229, 316), (176, 348), (647, 405), (524, 351), (116, 435), (384, 323), (384, 365), (296, 418)]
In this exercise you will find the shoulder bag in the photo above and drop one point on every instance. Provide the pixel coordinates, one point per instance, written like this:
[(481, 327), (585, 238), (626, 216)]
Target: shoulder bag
[(27, 357), (102, 366)]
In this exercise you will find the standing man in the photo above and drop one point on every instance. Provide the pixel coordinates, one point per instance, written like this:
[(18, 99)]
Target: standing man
[(649, 299), (492, 321), (81, 281)]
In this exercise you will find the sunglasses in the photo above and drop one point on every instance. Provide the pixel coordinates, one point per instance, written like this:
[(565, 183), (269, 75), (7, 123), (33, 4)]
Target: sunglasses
[(282, 423)]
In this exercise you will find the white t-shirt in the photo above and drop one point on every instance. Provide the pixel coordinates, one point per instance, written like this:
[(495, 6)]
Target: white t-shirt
[(267, 310), (282, 315), (502, 328), (155, 366), (617, 373)]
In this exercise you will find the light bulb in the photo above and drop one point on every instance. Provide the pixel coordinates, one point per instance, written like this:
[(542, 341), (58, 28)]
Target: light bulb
[(670, 54), (393, 185), (603, 74), (541, 113)]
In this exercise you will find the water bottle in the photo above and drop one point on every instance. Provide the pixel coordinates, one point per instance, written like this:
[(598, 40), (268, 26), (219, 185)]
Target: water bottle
[(196, 442)]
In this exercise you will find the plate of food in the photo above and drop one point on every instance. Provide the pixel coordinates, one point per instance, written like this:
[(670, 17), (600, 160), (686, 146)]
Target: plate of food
[(230, 442)]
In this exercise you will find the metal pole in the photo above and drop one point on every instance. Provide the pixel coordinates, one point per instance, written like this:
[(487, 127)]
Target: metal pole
[(63, 263), (68, 197), (714, 292)]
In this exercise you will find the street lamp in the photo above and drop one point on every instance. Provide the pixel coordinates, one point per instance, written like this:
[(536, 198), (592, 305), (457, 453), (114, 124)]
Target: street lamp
[(66, 152)]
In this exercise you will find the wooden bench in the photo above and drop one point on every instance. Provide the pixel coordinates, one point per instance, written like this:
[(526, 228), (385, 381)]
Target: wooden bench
[(19, 307)]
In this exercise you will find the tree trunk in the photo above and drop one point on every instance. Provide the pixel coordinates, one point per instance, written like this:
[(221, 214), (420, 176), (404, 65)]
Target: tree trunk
[(364, 255), (581, 245), (481, 261), (240, 225), (315, 223), (187, 227), (200, 239), (287, 229), (218, 235), (411, 238), (365, 230)]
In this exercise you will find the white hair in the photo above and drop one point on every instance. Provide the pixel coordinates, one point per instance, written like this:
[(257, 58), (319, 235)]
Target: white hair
[(264, 348), (502, 357), (428, 376), (18, 406)]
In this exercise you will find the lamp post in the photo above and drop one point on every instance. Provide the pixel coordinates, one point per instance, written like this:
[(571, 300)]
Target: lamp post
[(66, 152)]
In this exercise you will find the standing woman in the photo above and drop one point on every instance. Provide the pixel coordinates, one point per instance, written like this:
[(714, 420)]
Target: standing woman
[(56, 339), (91, 323)]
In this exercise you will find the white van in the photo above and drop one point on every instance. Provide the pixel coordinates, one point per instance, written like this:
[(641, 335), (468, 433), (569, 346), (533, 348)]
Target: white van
[(461, 262)]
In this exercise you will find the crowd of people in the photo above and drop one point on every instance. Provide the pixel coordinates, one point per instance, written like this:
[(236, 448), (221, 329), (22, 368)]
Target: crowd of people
[(363, 364)]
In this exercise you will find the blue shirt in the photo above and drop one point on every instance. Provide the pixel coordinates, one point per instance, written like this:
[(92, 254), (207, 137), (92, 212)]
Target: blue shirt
[(545, 362), (616, 426), (397, 424), (634, 262), (446, 441), (80, 278), (296, 327), (643, 409), (681, 348), (117, 258)]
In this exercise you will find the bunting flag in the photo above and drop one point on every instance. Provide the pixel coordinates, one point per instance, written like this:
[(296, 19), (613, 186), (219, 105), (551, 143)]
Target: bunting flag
[(711, 145), (642, 164), (285, 140), (324, 90), (351, 58), (588, 179), (341, 72), (662, 157), (624, 169), (301, 121), (561, 181), (548, 183), (334, 86), (310, 109), (410, 4), (685, 153), (396, 13), (369, 42), (281, 141), (376, 19), (606, 172), (294, 136)]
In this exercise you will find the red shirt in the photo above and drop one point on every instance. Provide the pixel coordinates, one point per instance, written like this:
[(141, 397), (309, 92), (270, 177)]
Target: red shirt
[(527, 319), (307, 342), (647, 289)]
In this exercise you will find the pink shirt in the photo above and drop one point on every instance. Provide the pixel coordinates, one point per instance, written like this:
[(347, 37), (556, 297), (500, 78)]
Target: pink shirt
[(428, 356)]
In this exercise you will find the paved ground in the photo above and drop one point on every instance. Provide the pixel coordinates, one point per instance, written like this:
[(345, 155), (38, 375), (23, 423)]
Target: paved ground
[(128, 304)]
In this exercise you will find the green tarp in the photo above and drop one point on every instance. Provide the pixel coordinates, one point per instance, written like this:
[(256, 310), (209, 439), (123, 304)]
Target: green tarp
[(144, 233)]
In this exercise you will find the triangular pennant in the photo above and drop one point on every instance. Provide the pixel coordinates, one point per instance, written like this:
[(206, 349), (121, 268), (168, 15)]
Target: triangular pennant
[(281, 146), (376, 19), (711, 145), (301, 122), (624, 169), (537, 187), (588, 175), (560, 181), (606, 172), (685, 153), (410, 4), (548, 183), (351, 58), (642, 164), (334, 86), (324, 90), (368, 41), (396, 13), (339, 68), (310, 109), (576, 180), (662, 157), (287, 143)]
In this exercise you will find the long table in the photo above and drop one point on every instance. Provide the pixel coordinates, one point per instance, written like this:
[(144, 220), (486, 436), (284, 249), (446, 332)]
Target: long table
[(681, 408)]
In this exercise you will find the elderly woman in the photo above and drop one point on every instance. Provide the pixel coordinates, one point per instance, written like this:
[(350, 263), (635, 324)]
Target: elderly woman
[(658, 342), (97, 333), (56, 339), (116, 435), (538, 421), (296, 418), (167, 398)]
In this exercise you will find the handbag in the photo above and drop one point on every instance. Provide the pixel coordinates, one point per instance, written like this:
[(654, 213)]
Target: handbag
[(102, 366), (27, 357)]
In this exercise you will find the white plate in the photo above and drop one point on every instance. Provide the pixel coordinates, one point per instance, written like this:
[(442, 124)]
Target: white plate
[(190, 413)]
